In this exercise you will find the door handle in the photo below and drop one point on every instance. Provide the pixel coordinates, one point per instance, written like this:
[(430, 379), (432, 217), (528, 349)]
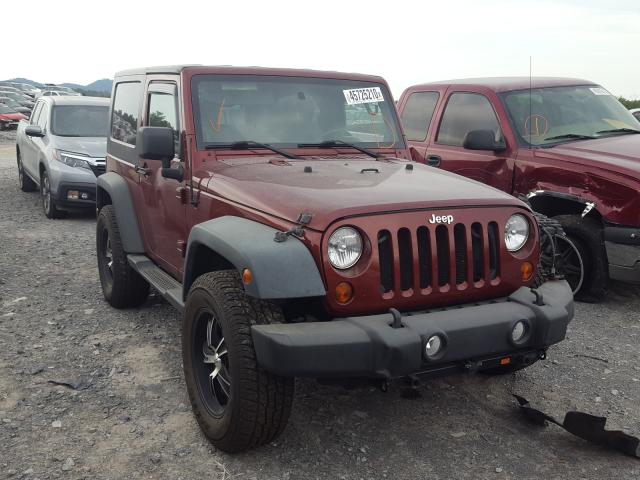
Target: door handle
[(434, 160), (143, 170)]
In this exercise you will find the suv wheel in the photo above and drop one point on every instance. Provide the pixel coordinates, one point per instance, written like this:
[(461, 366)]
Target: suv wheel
[(238, 404), (586, 236), (26, 184), (122, 286), (48, 202)]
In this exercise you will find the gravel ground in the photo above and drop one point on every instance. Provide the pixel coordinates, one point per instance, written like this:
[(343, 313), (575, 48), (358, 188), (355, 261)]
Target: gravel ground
[(129, 416)]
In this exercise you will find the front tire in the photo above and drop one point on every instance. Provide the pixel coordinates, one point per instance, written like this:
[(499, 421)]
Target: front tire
[(122, 286), (586, 235), (49, 207), (237, 403)]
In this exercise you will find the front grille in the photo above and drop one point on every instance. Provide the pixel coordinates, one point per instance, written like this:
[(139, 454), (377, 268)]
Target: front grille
[(439, 258)]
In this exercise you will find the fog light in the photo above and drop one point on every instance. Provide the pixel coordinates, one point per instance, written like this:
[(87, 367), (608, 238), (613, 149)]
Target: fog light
[(433, 346), (519, 331), (84, 195), (344, 292), (72, 195)]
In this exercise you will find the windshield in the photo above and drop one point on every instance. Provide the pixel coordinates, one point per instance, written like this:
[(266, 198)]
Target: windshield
[(80, 121), (9, 101), (288, 111), (566, 113), (5, 109)]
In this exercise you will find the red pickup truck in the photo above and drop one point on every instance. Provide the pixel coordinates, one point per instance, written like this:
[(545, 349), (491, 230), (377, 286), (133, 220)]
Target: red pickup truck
[(566, 145)]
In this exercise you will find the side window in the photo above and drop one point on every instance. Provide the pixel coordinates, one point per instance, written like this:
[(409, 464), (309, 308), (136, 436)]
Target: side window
[(126, 107), (162, 109), (465, 112), (34, 113), (417, 114), (44, 116)]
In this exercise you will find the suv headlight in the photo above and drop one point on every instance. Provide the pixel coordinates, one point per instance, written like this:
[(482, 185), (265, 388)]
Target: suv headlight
[(516, 232), (345, 247), (71, 159)]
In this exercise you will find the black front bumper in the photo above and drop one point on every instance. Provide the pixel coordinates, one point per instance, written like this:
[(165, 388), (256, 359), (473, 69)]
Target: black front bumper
[(369, 346), (623, 252)]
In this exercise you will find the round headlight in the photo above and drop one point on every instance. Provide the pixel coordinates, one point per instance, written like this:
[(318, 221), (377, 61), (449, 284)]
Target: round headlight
[(345, 247), (516, 232)]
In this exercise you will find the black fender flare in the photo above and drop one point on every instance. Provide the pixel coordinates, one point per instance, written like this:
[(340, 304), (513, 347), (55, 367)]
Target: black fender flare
[(117, 189), (280, 269)]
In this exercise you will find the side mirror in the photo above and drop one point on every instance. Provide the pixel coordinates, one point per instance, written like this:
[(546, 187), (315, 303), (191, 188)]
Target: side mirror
[(482, 140), (34, 131), (157, 143)]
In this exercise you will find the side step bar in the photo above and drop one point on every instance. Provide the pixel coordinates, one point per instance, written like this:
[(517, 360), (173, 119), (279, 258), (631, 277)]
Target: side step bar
[(164, 283)]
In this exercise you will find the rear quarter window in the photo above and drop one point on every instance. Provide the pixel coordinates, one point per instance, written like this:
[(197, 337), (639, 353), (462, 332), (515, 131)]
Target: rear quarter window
[(417, 113), (126, 109)]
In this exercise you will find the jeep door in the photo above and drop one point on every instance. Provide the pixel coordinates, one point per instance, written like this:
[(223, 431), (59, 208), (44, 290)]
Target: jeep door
[(459, 113), (163, 212)]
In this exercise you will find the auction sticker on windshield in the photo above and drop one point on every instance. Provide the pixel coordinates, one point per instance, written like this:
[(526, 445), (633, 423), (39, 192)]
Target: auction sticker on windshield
[(599, 91), (363, 95)]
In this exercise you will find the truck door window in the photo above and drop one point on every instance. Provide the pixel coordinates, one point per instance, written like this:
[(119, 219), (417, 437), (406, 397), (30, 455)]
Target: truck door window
[(465, 112), (417, 113), (43, 117), (126, 107), (34, 114), (162, 109)]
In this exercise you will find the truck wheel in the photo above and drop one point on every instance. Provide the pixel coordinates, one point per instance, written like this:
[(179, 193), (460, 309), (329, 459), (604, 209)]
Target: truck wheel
[(586, 236), (568, 259), (238, 404), (26, 184), (122, 286), (48, 202)]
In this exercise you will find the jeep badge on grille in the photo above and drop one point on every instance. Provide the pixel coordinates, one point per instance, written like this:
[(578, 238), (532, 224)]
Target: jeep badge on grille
[(448, 219)]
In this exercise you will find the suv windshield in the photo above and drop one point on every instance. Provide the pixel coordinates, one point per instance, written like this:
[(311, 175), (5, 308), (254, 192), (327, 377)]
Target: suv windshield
[(80, 121), (547, 116), (289, 111)]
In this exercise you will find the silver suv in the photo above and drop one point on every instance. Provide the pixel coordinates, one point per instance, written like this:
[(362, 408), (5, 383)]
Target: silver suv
[(62, 149)]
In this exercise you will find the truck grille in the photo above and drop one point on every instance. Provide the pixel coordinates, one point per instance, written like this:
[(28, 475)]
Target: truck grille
[(439, 258)]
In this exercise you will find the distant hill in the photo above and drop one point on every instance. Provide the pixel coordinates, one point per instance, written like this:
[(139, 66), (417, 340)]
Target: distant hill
[(102, 86)]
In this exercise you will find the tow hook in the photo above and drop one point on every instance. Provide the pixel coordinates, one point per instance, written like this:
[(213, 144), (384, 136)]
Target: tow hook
[(539, 300)]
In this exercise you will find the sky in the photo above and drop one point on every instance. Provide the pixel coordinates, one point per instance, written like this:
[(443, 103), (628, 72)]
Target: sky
[(407, 42)]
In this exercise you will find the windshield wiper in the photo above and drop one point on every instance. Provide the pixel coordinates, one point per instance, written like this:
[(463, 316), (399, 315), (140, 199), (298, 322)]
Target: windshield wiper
[(575, 136), (620, 130), (249, 144), (338, 143)]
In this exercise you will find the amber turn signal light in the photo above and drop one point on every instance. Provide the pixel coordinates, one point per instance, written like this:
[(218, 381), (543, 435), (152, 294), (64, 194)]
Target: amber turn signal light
[(247, 276), (344, 292), (505, 361), (526, 271)]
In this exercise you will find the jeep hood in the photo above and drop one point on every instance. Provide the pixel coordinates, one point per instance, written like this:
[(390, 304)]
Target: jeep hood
[(619, 153), (339, 187), (91, 146)]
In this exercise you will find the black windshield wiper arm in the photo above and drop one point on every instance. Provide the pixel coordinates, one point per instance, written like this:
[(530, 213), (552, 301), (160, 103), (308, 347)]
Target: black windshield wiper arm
[(576, 136), (620, 130), (338, 143), (249, 144)]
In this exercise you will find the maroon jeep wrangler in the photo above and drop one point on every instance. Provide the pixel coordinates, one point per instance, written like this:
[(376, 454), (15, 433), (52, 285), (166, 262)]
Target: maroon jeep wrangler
[(279, 210), (568, 146)]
